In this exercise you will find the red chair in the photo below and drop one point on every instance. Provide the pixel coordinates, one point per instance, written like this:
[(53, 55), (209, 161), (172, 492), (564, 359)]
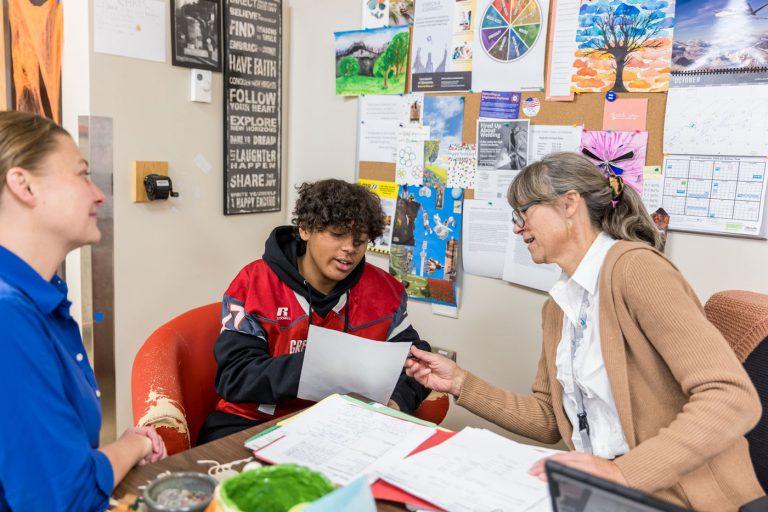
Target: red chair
[(172, 382)]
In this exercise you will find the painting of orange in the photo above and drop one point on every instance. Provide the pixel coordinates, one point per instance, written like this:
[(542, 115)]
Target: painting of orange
[(36, 36)]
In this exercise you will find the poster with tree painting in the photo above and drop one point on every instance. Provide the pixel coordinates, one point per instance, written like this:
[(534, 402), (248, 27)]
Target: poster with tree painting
[(372, 61), (624, 45)]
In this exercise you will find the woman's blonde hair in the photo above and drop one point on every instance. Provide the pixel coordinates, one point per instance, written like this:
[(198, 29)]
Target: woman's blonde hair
[(25, 140), (558, 173)]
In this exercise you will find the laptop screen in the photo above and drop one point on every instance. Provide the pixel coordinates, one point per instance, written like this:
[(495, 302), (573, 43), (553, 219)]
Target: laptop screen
[(572, 490)]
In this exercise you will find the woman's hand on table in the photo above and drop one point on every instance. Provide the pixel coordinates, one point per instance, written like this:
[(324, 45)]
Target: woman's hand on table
[(586, 462), (157, 450), (435, 371)]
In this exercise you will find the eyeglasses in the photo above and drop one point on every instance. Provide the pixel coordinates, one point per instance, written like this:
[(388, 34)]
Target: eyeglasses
[(518, 214)]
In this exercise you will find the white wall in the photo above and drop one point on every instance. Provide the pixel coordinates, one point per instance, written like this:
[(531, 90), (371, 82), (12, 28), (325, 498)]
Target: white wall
[(76, 101), (175, 255), (498, 333)]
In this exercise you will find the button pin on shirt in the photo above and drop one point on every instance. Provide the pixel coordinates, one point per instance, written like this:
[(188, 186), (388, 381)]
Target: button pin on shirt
[(79, 357), (98, 393)]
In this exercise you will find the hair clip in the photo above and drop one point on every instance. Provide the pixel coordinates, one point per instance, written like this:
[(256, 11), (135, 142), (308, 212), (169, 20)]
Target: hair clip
[(616, 184)]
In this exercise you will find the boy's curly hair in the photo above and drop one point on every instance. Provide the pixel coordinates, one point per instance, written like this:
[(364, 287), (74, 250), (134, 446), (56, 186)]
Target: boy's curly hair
[(337, 203)]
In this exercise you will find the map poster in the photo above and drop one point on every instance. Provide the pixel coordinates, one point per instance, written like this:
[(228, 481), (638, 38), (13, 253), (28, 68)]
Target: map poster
[(252, 105)]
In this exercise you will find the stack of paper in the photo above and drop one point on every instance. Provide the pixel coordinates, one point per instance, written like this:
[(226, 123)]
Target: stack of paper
[(473, 470), (341, 439)]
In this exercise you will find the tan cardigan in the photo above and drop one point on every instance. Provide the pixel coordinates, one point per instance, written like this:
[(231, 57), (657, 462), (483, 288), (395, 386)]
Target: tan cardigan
[(683, 398)]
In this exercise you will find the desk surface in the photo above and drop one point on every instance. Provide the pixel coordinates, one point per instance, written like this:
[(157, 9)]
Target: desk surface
[(223, 451)]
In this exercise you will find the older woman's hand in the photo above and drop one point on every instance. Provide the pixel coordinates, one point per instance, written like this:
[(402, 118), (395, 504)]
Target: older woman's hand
[(435, 371), (586, 462)]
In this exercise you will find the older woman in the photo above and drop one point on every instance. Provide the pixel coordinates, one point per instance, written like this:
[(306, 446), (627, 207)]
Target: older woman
[(49, 455), (632, 376)]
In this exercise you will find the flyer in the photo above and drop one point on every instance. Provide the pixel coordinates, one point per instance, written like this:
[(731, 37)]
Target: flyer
[(442, 46)]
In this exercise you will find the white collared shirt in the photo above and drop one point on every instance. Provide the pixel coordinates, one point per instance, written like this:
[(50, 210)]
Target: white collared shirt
[(587, 367)]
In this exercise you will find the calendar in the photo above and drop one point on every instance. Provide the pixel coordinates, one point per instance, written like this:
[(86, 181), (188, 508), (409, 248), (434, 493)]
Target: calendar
[(715, 194)]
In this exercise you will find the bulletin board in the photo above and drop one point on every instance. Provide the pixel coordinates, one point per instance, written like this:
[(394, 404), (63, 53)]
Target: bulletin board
[(586, 109)]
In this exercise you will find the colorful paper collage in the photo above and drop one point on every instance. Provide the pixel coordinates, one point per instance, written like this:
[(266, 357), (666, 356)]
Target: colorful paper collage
[(624, 45), (372, 61), (462, 165), (720, 42), (387, 193), (425, 242), (619, 153)]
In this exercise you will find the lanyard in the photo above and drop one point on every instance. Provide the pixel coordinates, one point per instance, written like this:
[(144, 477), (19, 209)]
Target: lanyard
[(577, 336)]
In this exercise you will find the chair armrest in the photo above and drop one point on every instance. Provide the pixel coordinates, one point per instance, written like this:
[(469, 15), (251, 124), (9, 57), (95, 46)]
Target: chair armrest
[(758, 505)]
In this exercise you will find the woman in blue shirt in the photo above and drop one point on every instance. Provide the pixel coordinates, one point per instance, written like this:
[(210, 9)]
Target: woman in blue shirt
[(50, 413)]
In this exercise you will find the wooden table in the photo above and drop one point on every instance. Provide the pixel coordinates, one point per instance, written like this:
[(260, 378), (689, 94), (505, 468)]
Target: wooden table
[(223, 451)]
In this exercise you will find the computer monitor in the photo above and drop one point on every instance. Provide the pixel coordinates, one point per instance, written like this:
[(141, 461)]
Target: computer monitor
[(572, 490)]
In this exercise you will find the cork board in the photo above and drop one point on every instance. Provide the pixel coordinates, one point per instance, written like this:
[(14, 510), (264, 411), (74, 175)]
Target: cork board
[(586, 109)]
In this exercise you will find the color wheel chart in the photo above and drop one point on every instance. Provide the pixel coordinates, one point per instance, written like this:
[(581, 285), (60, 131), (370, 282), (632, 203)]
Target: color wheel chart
[(510, 28)]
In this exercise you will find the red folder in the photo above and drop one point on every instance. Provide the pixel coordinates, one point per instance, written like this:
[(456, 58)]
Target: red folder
[(385, 491)]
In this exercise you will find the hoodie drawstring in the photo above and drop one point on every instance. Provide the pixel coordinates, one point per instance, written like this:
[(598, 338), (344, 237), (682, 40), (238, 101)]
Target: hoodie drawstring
[(346, 314), (309, 296)]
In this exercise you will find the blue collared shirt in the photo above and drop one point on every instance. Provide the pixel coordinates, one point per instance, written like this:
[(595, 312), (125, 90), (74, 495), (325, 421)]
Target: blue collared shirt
[(50, 413)]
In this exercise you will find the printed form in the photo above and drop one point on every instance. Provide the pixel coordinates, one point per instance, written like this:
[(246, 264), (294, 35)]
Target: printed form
[(473, 470), (344, 441)]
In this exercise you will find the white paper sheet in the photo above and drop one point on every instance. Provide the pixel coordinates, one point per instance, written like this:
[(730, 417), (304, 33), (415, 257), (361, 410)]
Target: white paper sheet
[(722, 120), (380, 119), (508, 48), (546, 139), (130, 29), (409, 161), (519, 268), (713, 194), (337, 362), (563, 47), (487, 228), (473, 470), (493, 185), (653, 187), (344, 441)]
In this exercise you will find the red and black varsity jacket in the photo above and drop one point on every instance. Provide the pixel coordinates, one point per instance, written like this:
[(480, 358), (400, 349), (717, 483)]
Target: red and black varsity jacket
[(265, 322)]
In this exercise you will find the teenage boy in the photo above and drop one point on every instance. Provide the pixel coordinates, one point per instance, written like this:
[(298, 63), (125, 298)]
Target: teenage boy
[(312, 273)]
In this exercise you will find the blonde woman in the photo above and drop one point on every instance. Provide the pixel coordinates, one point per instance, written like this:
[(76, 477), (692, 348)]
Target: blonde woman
[(640, 386), (49, 454)]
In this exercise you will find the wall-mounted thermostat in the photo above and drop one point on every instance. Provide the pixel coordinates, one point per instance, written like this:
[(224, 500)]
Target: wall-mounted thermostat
[(201, 85)]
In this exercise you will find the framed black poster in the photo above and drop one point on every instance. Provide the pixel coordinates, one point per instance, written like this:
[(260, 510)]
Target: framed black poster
[(196, 34), (252, 105)]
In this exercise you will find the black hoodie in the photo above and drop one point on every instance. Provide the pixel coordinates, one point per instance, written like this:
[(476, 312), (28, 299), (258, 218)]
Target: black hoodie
[(281, 253), (249, 355)]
